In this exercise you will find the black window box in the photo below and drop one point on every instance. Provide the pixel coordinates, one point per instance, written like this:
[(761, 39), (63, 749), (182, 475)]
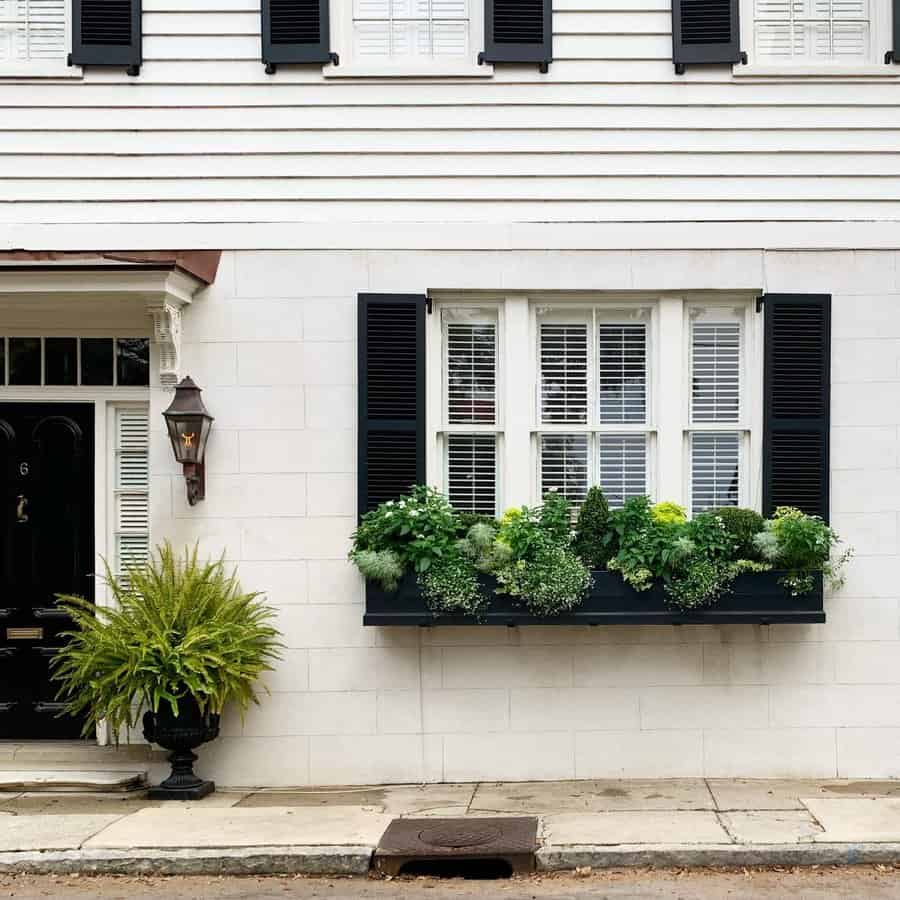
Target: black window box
[(756, 599)]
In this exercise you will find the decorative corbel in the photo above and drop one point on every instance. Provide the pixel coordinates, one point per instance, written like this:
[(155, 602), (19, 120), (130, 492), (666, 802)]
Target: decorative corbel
[(167, 335)]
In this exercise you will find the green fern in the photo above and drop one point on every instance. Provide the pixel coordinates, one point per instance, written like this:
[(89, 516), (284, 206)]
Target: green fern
[(177, 627)]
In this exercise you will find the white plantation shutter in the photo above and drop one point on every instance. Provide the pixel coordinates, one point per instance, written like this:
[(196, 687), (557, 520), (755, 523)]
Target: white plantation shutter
[(813, 31), (564, 373), (715, 371), (565, 465), (410, 29), (471, 399), (623, 467), (32, 31), (622, 373), (132, 488), (715, 468), (472, 472)]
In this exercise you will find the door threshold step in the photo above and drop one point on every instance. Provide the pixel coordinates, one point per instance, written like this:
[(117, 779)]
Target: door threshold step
[(66, 781)]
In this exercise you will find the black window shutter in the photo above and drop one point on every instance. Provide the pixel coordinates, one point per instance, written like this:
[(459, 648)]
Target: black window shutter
[(391, 396), (518, 31), (705, 31), (295, 31), (893, 55), (106, 33), (797, 402)]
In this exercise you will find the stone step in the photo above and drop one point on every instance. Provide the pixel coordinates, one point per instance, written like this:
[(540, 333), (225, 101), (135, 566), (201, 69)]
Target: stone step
[(68, 780)]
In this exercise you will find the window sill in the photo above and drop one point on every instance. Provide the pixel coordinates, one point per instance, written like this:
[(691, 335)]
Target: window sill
[(27, 71), (756, 599), (372, 71), (769, 71)]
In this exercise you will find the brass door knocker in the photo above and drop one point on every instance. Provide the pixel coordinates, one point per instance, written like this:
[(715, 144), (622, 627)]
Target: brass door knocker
[(21, 506)]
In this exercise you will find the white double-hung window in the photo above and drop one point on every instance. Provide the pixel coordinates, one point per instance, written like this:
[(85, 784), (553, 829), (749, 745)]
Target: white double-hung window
[(657, 396), (34, 37)]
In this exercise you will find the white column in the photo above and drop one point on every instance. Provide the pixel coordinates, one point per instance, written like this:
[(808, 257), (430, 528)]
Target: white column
[(518, 402), (669, 380)]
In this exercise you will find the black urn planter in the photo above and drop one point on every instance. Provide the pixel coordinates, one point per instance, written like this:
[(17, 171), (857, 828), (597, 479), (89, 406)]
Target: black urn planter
[(181, 734)]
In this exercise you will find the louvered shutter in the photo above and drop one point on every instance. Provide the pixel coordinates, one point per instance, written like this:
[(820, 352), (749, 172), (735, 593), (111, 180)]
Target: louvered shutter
[(893, 55), (132, 488), (391, 450), (518, 31), (622, 462), (295, 31), (564, 373), (797, 400), (715, 470), (715, 371), (106, 33), (472, 472), (705, 31)]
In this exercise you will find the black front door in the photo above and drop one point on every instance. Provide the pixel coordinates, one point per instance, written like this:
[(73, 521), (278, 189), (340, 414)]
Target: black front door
[(46, 548)]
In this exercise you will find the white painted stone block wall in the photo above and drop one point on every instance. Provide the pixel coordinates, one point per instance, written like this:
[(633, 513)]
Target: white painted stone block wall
[(273, 344)]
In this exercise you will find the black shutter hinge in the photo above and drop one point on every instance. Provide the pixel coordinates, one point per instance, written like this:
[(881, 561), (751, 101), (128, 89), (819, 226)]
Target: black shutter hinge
[(481, 59), (744, 59), (429, 306), (889, 58), (760, 301), (133, 70)]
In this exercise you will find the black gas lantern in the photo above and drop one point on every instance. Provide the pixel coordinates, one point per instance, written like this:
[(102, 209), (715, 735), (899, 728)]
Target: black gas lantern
[(189, 421)]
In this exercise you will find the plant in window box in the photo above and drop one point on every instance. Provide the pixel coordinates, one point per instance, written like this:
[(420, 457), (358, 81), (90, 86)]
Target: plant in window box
[(181, 641)]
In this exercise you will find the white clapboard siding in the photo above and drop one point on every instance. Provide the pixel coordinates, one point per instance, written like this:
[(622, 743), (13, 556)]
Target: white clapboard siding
[(610, 134), (564, 372), (472, 472), (715, 470), (132, 487), (565, 465)]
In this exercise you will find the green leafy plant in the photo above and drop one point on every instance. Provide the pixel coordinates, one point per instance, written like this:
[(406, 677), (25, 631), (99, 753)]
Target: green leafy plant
[(419, 528), (451, 584), (591, 529), (803, 545), (178, 627), (384, 567), (743, 525)]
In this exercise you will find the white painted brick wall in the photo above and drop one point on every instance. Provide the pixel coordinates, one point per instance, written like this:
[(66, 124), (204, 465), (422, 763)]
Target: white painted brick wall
[(273, 344)]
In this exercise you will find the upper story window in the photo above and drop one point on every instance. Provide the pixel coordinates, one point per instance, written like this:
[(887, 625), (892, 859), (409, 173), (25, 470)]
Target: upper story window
[(819, 33), (34, 37), (634, 397)]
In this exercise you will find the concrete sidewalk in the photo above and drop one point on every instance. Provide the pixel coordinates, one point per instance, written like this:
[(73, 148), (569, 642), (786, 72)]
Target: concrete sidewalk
[(682, 822)]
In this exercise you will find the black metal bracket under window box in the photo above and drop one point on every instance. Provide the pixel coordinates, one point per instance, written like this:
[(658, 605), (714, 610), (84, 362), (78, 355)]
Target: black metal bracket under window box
[(756, 599)]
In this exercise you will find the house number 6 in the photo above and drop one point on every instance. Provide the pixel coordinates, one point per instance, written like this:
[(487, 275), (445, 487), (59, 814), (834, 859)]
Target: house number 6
[(24, 468)]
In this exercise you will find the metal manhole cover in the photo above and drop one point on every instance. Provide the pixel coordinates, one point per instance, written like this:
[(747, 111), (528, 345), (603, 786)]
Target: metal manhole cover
[(512, 839), (461, 834)]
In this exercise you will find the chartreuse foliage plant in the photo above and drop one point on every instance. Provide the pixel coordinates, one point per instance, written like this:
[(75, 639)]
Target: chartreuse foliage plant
[(177, 627)]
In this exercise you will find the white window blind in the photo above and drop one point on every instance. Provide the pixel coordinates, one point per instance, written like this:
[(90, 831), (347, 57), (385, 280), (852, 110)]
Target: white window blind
[(472, 472), (715, 371), (565, 465), (622, 466), (564, 373), (471, 372), (622, 373), (132, 488), (813, 31), (32, 30), (410, 29), (715, 469)]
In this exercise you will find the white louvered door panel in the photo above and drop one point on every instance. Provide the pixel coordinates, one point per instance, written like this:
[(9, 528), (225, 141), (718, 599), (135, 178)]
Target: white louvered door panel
[(622, 463), (472, 472), (715, 371), (32, 30), (132, 488), (471, 368), (565, 464), (622, 373), (564, 373), (715, 470)]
